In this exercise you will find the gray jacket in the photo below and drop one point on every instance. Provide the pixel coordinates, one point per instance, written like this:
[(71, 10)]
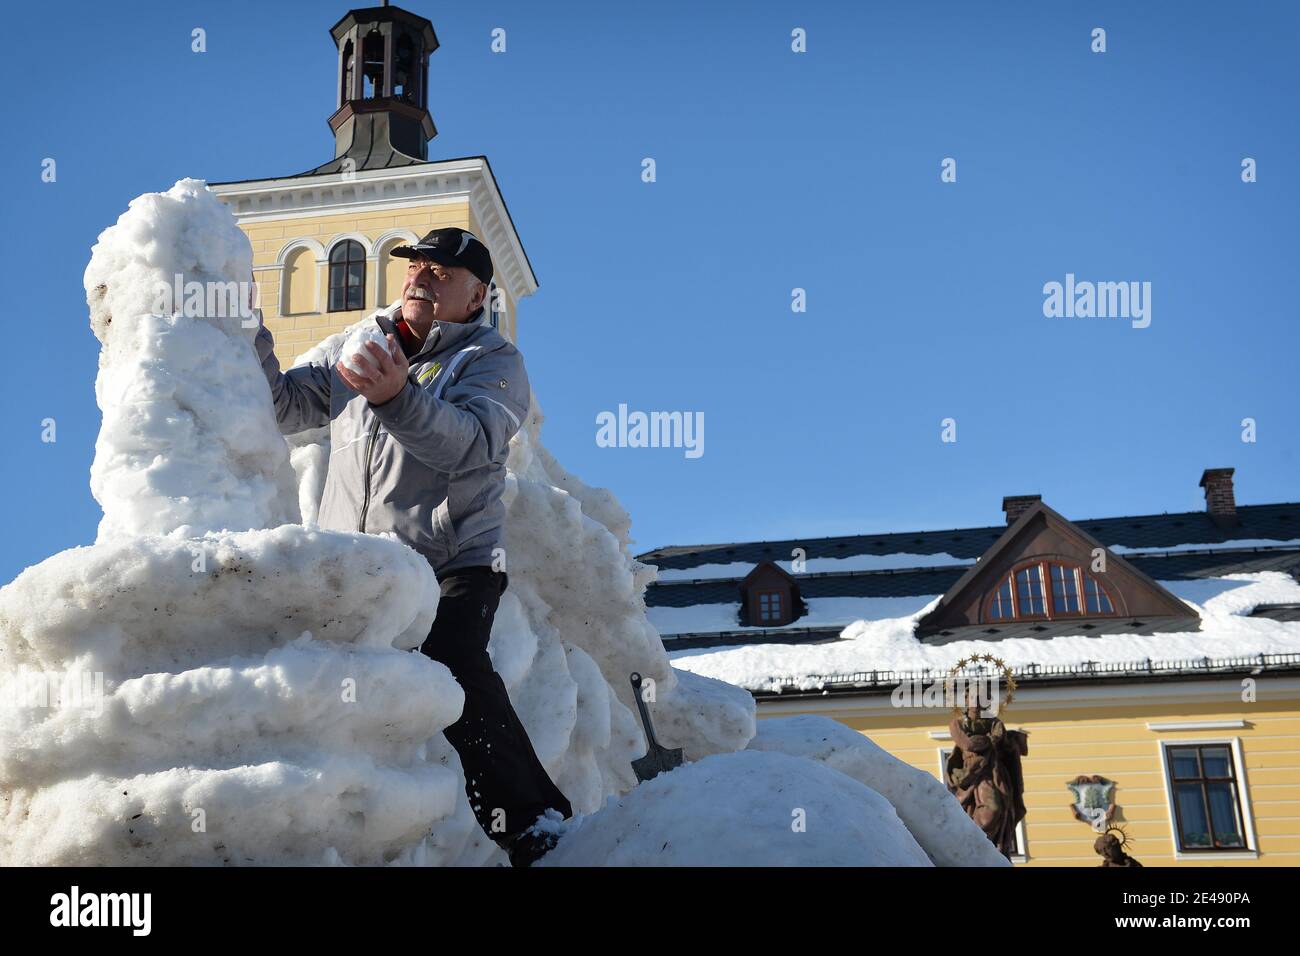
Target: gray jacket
[(430, 463)]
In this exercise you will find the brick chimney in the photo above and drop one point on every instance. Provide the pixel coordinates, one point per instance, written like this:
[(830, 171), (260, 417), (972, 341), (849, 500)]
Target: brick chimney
[(1220, 500), (1016, 505)]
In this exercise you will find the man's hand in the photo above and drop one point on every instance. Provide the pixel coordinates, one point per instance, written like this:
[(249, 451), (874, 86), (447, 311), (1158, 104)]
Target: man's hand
[(383, 385)]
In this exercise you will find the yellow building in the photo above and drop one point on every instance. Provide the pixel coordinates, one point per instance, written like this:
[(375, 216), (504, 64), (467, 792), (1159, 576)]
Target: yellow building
[(1156, 660), (322, 239), (1128, 733)]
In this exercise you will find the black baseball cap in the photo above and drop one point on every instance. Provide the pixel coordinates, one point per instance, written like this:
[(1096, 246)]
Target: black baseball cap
[(452, 246)]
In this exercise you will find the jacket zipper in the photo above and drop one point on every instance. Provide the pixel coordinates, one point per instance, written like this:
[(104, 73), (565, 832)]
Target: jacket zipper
[(370, 442), (365, 501)]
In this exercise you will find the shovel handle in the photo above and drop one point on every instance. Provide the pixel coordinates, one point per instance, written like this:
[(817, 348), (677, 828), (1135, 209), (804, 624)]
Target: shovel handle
[(645, 713)]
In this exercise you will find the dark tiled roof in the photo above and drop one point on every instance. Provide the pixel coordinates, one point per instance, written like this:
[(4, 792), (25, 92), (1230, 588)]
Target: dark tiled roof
[(833, 584), (1162, 566), (1278, 522), (1043, 630), (1215, 563), (1278, 612), (794, 635)]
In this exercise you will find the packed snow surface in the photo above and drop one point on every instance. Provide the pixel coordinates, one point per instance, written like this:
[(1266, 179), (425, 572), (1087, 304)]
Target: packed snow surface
[(262, 699), (822, 612)]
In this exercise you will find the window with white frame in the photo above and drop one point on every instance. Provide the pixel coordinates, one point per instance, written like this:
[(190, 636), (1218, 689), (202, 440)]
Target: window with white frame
[(1203, 780), (347, 276)]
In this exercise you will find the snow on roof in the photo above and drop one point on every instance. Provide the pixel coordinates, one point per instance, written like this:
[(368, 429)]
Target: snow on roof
[(822, 612), (672, 622), (1236, 544), (890, 644)]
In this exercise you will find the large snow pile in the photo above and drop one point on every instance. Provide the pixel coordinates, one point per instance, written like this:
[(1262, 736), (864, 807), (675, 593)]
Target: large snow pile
[(212, 683), (936, 821), (224, 730), (743, 809), (808, 791)]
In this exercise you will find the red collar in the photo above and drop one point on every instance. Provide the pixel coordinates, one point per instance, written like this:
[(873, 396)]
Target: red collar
[(410, 341)]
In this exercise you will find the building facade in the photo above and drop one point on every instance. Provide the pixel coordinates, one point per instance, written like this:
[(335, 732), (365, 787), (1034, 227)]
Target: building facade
[(322, 239), (1153, 661)]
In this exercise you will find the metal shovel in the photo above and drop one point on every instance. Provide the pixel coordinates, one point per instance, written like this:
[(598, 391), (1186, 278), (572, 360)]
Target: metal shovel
[(657, 759)]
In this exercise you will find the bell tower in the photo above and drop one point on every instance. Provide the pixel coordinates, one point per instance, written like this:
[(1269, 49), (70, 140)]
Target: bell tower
[(323, 239), (382, 118)]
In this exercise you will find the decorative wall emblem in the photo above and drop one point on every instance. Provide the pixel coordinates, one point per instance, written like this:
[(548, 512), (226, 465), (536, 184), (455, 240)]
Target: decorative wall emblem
[(984, 683), (1094, 800)]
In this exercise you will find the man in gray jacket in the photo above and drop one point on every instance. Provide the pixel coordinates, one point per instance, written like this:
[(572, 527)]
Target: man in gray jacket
[(418, 448)]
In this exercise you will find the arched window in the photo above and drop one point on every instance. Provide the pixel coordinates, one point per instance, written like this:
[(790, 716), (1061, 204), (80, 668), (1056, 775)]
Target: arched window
[(299, 276), (347, 276), (1047, 590), (404, 73), (391, 270), (349, 65), (372, 65)]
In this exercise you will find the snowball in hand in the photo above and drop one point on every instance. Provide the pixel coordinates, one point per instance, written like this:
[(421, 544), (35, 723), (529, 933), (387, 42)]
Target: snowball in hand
[(355, 357)]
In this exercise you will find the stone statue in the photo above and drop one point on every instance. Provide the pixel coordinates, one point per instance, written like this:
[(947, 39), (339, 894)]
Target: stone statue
[(984, 773), (1111, 847)]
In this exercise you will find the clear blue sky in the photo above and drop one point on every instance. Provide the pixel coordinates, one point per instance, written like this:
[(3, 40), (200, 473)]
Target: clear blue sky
[(775, 171)]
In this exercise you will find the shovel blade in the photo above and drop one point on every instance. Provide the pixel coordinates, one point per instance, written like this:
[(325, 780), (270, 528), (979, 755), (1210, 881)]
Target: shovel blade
[(656, 761)]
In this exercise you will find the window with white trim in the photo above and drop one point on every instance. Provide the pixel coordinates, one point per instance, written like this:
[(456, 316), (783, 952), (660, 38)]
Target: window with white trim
[(1203, 786), (347, 276)]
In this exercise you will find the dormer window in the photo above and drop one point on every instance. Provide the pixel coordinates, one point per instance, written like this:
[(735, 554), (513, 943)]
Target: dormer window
[(1037, 570), (1065, 589), (1047, 590), (770, 607), (769, 597), (1097, 600)]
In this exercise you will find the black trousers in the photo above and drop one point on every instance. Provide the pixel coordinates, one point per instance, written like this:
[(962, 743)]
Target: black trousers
[(507, 786)]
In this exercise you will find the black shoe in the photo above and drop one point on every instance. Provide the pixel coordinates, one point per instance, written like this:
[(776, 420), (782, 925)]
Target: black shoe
[(526, 848), (530, 845)]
